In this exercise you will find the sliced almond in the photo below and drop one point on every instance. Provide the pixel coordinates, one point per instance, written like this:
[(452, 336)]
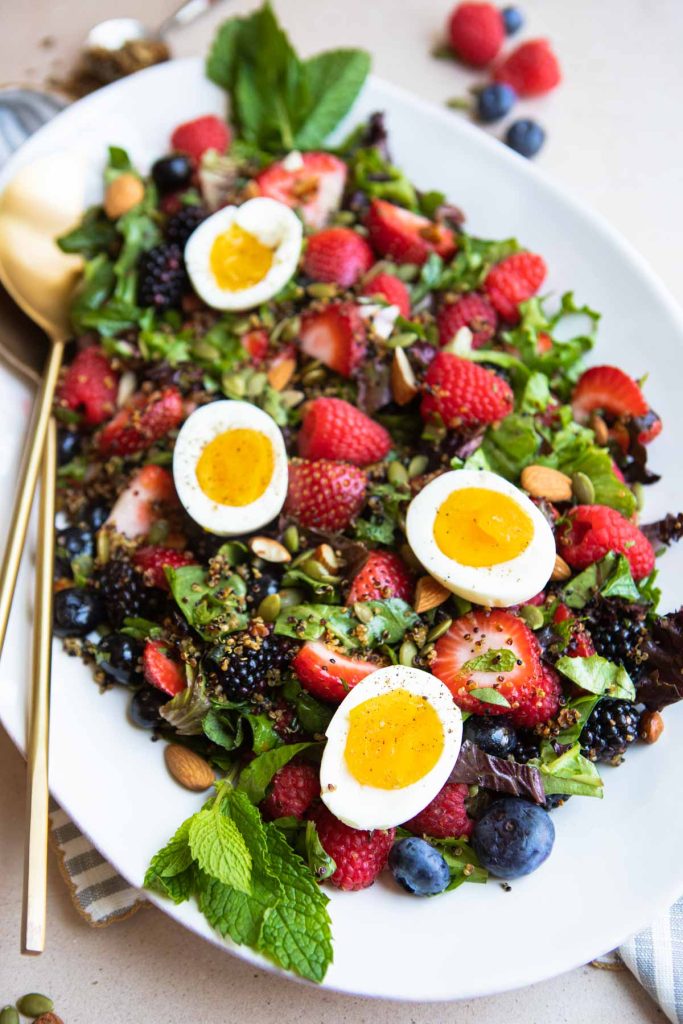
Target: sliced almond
[(403, 383), (269, 549), (651, 726), (544, 482), (561, 570), (429, 594), (280, 374), (188, 768), (324, 554), (600, 429)]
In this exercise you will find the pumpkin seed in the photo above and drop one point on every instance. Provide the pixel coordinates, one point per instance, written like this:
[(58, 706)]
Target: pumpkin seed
[(269, 608), (344, 217), (256, 385), (8, 1015), (402, 340), (103, 546), (439, 629), (397, 474), (318, 572), (532, 615), (407, 653), (417, 466), (289, 596), (321, 290), (242, 325), (583, 489), (639, 495), (363, 613), (290, 539), (33, 1004), (291, 328), (158, 532), (313, 375), (203, 350), (267, 318)]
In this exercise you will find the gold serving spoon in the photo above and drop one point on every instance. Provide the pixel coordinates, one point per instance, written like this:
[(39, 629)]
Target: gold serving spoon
[(41, 202)]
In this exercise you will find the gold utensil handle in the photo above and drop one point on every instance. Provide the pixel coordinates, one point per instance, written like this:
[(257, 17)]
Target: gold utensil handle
[(35, 873), (28, 475)]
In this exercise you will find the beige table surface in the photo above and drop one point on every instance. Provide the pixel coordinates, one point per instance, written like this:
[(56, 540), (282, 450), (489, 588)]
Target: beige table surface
[(613, 141)]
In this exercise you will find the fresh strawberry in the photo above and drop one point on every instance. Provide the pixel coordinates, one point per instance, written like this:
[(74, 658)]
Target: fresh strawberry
[(591, 531), (91, 384), (324, 495), (461, 393), (470, 310), (334, 335), (579, 642), (338, 255), (389, 288), (515, 279), (313, 184), (359, 856), (144, 420), (445, 817), (472, 636), (531, 69), (544, 343), (256, 344), (327, 674), (291, 792), (335, 429), (384, 575), (146, 498), (197, 137), (162, 671), (476, 32), (610, 390), (404, 236), (154, 558)]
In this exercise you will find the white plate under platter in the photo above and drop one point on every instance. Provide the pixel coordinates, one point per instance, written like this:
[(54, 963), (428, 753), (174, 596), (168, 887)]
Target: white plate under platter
[(616, 862)]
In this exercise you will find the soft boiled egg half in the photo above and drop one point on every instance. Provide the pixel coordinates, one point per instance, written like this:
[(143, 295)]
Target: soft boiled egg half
[(230, 467), (243, 255), (391, 746), (481, 537)]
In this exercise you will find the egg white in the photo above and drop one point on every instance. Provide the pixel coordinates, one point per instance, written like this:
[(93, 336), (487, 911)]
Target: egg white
[(201, 427), (269, 221), (368, 807), (497, 586)]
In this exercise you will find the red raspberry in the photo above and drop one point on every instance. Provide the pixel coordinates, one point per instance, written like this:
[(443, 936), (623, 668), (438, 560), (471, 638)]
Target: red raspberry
[(445, 817), (144, 420), (91, 384), (476, 32), (327, 674), (152, 560), (404, 236), (325, 495), (292, 791), (338, 255), (532, 69), (335, 429), (471, 310), (335, 335), (390, 288), (515, 279), (592, 530), (196, 137), (384, 575), (611, 390), (462, 393), (359, 856)]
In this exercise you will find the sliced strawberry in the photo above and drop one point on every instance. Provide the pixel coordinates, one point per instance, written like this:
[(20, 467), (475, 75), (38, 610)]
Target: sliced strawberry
[(326, 673), (384, 575), (389, 288), (91, 384), (404, 236), (154, 558), (335, 335), (579, 642), (337, 255), (610, 390), (312, 184), (325, 495), (162, 671), (144, 420), (146, 498), (256, 344), (335, 429)]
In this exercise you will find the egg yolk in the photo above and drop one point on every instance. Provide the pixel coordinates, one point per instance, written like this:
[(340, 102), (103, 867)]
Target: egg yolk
[(238, 260), (236, 467), (481, 528), (393, 740)]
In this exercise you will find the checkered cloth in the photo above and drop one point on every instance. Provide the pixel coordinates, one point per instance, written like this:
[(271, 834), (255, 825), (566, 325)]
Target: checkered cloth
[(102, 896)]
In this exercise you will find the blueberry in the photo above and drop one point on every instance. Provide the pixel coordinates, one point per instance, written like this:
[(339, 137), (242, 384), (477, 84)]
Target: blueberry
[(144, 707), (494, 736), (77, 611), (495, 101), (418, 867), (119, 656), (171, 172), (97, 515), (513, 838), (76, 541), (68, 446), (525, 136), (513, 19)]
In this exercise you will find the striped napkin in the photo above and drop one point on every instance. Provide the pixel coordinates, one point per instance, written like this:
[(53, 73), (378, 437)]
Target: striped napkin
[(102, 896)]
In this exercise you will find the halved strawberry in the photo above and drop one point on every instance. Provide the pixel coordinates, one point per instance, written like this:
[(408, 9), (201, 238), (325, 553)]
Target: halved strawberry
[(404, 236), (334, 429), (144, 420), (391, 289), (324, 495), (313, 184), (384, 575), (152, 560), (256, 344), (335, 335), (91, 384), (337, 255), (326, 673), (610, 390), (503, 634), (579, 641), (150, 492), (160, 670)]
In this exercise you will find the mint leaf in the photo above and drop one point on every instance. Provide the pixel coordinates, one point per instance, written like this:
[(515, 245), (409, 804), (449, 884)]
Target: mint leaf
[(497, 659), (219, 848), (334, 79), (489, 695), (584, 587), (256, 777), (621, 583), (597, 675), (313, 715), (170, 871)]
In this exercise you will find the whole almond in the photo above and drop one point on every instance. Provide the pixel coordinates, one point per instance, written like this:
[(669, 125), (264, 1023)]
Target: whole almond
[(561, 570), (188, 768), (544, 482), (122, 194), (269, 549), (281, 373), (651, 726), (403, 383), (429, 593)]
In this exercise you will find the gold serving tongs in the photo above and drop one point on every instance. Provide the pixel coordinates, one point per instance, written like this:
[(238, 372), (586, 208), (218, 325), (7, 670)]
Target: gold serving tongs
[(42, 201)]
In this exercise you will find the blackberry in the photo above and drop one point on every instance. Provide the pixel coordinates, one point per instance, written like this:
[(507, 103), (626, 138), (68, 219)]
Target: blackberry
[(181, 225), (123, 591), (617, 628), (245, 665), (162, 277), (612, 725)]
